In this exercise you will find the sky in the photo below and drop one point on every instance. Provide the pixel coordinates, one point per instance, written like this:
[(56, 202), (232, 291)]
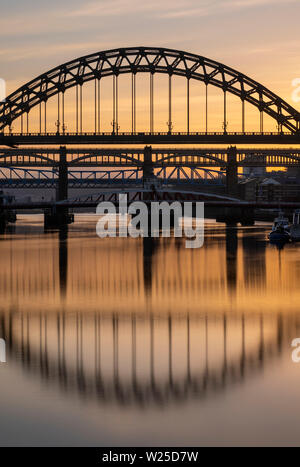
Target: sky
[(257, 37)]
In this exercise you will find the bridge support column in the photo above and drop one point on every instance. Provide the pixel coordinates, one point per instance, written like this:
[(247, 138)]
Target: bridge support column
[(2, 214), (3, 222), (232, 172), (234, 215), (148, 175), (59, 216), (6, 216), (62, 188)]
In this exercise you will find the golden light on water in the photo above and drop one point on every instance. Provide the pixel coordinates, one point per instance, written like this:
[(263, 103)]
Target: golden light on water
[(161, 276)]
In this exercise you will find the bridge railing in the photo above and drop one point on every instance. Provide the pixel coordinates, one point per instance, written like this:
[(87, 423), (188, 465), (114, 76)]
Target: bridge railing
[(148, 133)]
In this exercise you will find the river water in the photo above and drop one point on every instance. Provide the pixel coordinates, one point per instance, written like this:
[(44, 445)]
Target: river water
[(127, 342)]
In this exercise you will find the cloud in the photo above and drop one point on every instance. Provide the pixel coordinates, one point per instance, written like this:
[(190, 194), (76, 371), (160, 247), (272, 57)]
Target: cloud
[(256, 3), (121, 7), (168, 8), (21, 53)]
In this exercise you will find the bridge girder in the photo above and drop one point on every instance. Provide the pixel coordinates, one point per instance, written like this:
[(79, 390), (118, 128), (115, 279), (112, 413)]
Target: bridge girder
[(191, 158)]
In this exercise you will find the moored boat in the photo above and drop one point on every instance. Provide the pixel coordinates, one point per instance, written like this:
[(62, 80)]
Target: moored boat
[(279, 235), (280, 230), (281, 222), (295, 227)]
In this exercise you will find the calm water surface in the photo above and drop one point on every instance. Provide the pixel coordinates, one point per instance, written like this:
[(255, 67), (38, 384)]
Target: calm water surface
[(143, 342)]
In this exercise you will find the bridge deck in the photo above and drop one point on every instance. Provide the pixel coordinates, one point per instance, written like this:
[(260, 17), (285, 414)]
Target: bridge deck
[(149, 138)]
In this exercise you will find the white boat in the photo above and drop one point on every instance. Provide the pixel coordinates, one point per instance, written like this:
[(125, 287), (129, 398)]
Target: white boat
[(281, 222), (280, 230), (295, 227)]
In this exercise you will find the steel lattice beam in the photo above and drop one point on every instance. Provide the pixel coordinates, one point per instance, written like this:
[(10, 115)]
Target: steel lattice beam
[(107, 157)]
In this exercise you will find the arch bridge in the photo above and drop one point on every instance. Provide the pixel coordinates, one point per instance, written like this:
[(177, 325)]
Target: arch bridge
[(58, 93)]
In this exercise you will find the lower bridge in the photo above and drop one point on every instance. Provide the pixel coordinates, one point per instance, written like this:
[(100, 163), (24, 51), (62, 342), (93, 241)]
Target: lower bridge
[(159, 157), (231, 209), (16, 177), (142, 167)]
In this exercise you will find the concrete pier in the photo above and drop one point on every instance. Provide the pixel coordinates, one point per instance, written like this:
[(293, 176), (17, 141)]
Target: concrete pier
[(60, 216)]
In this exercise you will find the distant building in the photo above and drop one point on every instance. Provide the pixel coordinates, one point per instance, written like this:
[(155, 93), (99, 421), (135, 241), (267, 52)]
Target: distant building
[(247, 189), (270, 181), (293, 172), (254, 172)]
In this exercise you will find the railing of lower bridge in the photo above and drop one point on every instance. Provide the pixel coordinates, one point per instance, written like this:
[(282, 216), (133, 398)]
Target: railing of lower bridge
[(135, 157)]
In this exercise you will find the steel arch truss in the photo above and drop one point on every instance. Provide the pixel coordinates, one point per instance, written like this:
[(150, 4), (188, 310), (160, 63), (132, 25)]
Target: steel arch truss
[(194, 175), (28, 176), (17, 177), (152, 60)]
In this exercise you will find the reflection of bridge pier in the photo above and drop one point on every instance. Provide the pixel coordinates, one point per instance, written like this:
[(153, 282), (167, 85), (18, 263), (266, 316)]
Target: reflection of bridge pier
[(254, 260), (231, 256), (149, 248), (63, 261)]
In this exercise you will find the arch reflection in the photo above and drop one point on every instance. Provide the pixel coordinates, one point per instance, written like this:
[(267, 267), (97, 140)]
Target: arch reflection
[(143, 360)]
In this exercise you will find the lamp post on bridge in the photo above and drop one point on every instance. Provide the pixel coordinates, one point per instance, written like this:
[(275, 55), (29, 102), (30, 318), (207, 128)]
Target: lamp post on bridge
[(170, 127), (57, 124), (115, 127)]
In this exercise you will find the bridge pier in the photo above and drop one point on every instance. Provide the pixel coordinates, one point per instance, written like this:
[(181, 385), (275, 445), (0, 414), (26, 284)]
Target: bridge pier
[(148, 173), (232, 172), (3, 222), (59, 216), (5, 216), (233, 216)]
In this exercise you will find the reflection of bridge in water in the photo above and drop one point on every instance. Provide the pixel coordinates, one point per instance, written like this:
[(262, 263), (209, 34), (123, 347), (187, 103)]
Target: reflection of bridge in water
[(117, 274), (152, 351), (143, 360)]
